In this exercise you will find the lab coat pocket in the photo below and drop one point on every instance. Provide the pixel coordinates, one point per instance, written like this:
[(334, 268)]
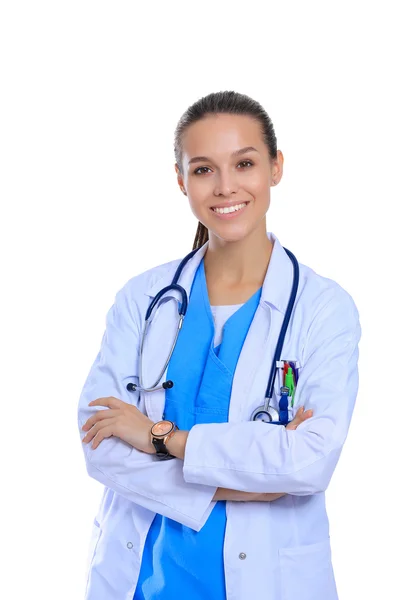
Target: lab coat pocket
[(294, 404), (307, 572)]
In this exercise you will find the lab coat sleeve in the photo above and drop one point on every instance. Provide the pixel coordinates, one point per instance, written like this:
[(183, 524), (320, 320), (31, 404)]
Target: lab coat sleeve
[(258, 457), (156, 485)]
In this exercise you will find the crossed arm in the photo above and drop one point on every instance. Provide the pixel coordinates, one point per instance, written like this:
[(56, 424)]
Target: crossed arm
[(260, 457), (132, 426)]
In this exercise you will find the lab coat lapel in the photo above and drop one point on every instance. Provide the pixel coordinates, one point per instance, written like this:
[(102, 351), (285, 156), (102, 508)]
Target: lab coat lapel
[(254, 364), (162, 331), (255, 360)]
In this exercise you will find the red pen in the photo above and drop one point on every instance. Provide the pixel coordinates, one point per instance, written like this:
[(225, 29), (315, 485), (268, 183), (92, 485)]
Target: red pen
[(285, 369)]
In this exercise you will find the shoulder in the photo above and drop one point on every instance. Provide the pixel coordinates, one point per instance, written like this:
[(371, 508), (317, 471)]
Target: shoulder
[(139, 284), (133, 297), (328, 303)]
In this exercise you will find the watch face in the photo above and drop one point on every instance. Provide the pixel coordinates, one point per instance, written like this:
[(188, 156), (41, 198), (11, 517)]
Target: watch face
[(162, 428)]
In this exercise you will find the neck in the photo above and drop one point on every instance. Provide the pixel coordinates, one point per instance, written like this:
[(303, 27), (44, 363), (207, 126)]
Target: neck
[(244, 262)]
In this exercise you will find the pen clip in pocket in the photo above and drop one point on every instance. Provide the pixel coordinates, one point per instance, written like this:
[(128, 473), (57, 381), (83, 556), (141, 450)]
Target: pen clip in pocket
[(288, 378)]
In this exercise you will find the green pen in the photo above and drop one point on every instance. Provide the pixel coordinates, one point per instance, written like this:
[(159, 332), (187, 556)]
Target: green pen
[(289, 382)]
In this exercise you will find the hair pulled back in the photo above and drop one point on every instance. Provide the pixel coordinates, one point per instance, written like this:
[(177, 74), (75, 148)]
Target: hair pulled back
[(227, 102)]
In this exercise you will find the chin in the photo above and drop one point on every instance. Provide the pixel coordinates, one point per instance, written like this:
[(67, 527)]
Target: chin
[(229, 236)]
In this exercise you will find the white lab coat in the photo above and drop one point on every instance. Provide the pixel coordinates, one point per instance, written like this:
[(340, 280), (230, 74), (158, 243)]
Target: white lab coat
[(273, 550)]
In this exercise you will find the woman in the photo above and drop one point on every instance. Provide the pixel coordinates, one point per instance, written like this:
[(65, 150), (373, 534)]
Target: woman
[(215, 504)]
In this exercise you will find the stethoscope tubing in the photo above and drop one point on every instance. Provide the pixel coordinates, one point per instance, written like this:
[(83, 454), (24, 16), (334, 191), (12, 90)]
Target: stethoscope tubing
[(281, 339), (265, 408)]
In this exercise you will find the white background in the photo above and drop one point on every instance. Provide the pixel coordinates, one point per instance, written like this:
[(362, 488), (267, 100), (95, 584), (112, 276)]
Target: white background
[(91, 92)]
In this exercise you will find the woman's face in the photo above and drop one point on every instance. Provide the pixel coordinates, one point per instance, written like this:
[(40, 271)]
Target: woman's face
[(220, 170)]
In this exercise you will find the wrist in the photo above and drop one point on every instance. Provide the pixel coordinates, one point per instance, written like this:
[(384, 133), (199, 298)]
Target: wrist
[(150, 447), (176, 445)]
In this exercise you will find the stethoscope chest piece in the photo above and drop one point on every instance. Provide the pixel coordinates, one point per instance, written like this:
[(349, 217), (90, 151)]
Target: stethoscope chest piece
[(265, 415)]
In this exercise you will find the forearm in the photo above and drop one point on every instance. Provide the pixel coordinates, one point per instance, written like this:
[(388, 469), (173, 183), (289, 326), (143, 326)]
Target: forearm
[(177, 445), (155, 485), (244, 456), (238, 496), (262, 458)]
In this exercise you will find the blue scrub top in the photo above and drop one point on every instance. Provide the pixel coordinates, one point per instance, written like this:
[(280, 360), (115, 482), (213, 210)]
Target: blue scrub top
[(176, 557)]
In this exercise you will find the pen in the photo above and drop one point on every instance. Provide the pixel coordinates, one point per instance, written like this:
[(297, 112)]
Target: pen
[(285, 370), (289, 383), (292, 364)]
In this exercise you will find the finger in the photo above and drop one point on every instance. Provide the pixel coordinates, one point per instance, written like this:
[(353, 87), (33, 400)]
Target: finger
[(297, 419), (105, 432), (110, 401), (99, 416), (96, 428), (299, 412), (306, 415), (300, 417)]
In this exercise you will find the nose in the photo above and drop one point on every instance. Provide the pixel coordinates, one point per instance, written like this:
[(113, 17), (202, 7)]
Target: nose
[(226, 183)]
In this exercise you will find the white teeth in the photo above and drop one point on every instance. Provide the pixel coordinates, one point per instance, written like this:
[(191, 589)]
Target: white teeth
[(230, 209)]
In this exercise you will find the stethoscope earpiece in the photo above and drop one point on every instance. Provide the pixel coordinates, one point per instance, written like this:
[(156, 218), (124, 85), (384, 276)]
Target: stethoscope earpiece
[(132, 387)]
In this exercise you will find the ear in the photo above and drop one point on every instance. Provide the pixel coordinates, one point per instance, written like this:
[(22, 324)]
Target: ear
[(277, 167), (180, 179)]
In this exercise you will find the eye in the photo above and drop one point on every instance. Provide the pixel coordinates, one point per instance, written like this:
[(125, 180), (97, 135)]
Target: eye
[(196, 172), (243, 162), (249, 162)]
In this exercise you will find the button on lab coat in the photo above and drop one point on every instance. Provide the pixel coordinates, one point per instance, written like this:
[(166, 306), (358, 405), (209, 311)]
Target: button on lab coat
[(273, 550)]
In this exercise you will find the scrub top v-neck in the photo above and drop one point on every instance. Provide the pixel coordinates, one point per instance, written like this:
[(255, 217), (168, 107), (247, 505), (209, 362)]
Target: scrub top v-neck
[(175, 556), (220, 315)]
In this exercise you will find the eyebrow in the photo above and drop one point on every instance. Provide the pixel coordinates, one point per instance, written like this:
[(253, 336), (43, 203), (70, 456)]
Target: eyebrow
[(236, 153)]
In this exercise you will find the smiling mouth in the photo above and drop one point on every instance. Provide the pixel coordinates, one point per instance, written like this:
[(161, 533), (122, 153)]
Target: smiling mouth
[(229, 209)]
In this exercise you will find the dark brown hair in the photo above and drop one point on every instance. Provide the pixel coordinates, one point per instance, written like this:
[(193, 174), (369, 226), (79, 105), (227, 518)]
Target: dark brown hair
[(216, 103)]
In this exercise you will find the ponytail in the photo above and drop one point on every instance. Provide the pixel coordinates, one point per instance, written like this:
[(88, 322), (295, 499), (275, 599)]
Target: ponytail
[(201, 236)]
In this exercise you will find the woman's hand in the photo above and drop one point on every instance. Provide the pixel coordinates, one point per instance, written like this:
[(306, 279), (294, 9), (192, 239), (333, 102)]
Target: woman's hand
[(237, 496), (121, 420), (300, 417)]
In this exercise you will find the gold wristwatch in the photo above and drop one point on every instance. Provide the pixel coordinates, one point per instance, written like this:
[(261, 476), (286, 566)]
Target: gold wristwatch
[(160, 433)]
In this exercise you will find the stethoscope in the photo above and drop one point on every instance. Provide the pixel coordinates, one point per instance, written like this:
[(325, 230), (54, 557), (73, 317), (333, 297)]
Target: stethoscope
[(265, 412)]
